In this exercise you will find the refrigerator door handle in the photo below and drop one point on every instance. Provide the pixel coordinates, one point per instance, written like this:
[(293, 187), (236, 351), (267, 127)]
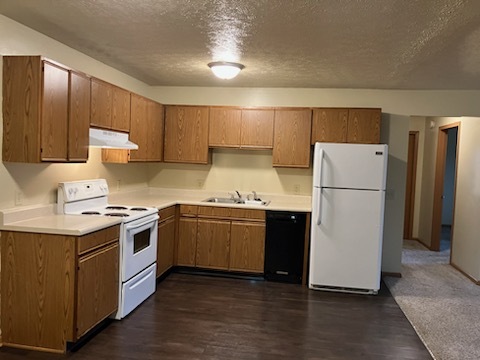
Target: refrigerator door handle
[(319, 174)]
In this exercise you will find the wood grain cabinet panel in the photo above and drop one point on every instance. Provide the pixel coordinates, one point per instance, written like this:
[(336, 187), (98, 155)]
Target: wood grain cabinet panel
[(213, 244), (139, 131), (97, 282), (291, 145), (247, 246), (364, 126), (186, 134), (166, 240), (155, 125), (51, 293), (101, 104), (120, 109), (224, 127), (37, 123), (329, 125), (79, 117), (257, 128), (186, 241)]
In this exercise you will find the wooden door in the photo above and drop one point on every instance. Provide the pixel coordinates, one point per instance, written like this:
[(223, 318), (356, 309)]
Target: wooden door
[(120, 109), (291, 145), (79, 117), (213, 244), (54, 113), (329, 125), (257, 128), (139, 131), (224, 127), (155, 131), (97, 295), (187, 241), (101, 104), (165, 246), (186, 134), (364, 126), (410, 187), (247, 246)]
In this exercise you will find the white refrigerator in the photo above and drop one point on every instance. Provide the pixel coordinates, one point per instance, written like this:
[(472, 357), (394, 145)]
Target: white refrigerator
[(347, 217)]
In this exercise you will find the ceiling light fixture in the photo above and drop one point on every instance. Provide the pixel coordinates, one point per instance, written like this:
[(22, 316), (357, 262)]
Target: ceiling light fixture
[(225, 70)]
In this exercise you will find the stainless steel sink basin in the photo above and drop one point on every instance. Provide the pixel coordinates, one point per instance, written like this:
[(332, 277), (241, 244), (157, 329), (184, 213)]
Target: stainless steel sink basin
[(220, 200)]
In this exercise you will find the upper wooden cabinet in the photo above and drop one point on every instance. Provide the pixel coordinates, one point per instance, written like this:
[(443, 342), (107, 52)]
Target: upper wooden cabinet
[(146, 129), (241, 128), (45, 107), (291, 142), (186, 134), (110, 106), (346, 125)]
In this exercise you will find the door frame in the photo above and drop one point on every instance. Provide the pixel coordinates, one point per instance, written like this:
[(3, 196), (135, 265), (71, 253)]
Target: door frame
[(410, 186), (438, 187)]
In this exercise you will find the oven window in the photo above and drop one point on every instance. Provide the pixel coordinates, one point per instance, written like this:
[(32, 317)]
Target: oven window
[(141, 240)]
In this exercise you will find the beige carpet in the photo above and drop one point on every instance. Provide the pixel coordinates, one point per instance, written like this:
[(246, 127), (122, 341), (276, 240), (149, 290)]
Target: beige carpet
[(441, 303)]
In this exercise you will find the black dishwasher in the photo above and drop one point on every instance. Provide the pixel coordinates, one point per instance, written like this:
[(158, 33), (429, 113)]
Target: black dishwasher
[(284, 246)]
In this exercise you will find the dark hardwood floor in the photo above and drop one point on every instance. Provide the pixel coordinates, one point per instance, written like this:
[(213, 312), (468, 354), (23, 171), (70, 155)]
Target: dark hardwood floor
[(205, 317)]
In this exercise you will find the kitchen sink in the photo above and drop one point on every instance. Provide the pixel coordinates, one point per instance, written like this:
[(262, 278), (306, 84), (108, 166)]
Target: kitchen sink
[(220, 200)]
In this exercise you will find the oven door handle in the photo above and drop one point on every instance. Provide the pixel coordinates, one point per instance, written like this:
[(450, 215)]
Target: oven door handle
[(131, 227)]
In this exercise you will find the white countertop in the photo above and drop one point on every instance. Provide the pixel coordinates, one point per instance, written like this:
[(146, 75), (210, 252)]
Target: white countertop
[(43, 218)]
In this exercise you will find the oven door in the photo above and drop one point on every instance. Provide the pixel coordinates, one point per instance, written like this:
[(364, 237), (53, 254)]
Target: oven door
[(139, 245)]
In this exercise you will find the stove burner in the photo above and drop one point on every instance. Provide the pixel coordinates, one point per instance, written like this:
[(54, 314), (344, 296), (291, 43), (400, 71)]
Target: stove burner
[(116, 214), (90, 213), (116, 208), (138, 209)]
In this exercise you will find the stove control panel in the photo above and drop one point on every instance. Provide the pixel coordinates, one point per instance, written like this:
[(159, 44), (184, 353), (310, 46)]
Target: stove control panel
[(81, 190)]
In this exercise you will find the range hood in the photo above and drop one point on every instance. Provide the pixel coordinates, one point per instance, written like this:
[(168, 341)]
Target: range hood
[(110, 139)]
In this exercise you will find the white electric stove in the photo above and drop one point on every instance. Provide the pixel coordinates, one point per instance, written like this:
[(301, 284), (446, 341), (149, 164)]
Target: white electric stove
[(138, 237)]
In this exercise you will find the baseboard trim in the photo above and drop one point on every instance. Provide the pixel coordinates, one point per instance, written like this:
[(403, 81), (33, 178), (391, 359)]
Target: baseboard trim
[(392, 274), (471, 278)]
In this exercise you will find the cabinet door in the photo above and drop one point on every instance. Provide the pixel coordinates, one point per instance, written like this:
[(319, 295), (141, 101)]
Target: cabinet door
[(329, 125), (213, 244), (120, 109), (187, 241), (165, 246), (186, 134), (101, 104), (257, 128), (247, 246), (54, 113), (364, 126), (155, 131), (97, 295), (79, 117), (224, 127), (139, 131), (291, 145)]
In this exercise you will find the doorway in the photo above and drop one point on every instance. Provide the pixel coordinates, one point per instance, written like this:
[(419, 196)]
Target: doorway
[(410, 188), (444, 189)]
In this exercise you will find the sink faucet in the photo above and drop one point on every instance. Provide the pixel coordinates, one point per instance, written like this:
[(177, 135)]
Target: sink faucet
[(239, 195)]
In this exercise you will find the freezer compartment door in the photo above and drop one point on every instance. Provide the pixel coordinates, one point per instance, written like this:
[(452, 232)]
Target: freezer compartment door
[(346, 239), (354, 166)]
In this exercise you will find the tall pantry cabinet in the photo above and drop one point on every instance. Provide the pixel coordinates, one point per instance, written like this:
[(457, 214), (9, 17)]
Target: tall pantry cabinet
[(46, 111)]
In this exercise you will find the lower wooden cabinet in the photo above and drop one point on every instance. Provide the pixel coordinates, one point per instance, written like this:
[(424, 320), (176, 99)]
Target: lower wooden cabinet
[(166, 240), (56, 287), (221, 238), (247, 246)]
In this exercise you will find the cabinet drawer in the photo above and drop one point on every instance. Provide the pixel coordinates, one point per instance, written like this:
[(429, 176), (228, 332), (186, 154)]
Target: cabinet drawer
[(96, 239), (166, 213), (188, 210), (212, 211), (248, 214)]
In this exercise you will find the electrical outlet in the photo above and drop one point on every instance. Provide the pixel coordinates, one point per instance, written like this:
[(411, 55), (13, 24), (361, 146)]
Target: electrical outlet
[(118, 184), (296, 188), (200, 183), (18, 197)]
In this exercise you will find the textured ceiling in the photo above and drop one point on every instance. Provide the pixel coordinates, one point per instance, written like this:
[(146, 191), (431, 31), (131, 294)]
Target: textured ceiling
[(375, 44)]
